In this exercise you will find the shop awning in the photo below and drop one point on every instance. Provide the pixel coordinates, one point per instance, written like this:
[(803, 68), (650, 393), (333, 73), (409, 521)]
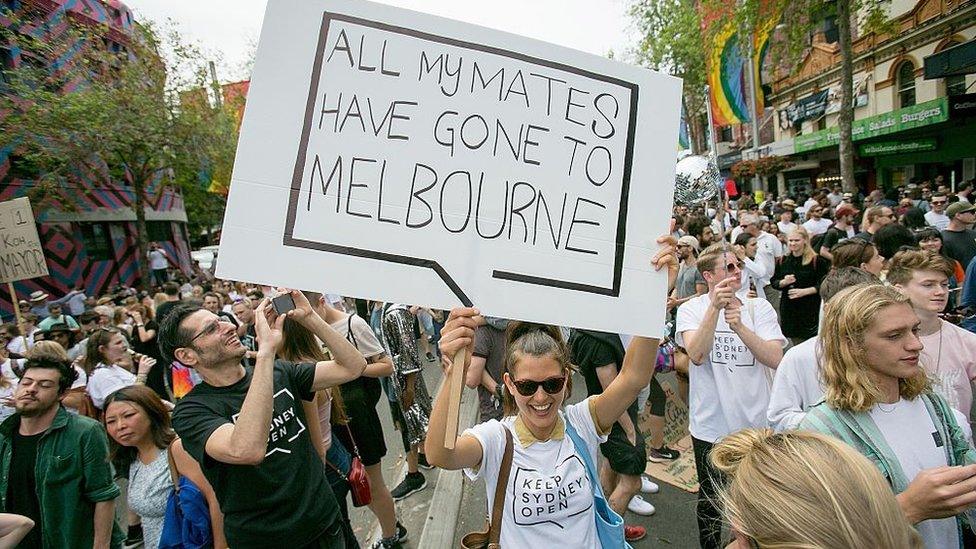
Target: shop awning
[(955, 61)]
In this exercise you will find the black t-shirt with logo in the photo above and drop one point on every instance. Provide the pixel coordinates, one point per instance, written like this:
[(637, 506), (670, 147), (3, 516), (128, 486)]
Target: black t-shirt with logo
[(285, 501), (22, 487)]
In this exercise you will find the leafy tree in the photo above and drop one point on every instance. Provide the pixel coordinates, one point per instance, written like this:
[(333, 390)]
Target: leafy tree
[(671, 42), (125, 121), (800, 19)]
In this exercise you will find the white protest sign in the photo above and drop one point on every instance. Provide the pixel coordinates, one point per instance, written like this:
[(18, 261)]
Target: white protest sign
[(21, 255), (403, 157)]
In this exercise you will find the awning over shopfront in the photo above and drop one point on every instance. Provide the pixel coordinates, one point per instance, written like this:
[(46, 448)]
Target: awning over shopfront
[(916, 116), (954, 61)]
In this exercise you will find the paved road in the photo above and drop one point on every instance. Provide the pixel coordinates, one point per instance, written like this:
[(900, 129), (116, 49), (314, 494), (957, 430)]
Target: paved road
[(673, 525)]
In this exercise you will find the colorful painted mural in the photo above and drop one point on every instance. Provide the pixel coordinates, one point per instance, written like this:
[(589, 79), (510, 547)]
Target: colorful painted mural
[(88, 226)]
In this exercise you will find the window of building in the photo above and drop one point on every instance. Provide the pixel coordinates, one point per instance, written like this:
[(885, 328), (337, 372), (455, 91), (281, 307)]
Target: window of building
[(955, 85), (906, 85), (159, 231), (822, 123), (98, 244), (725, 134)]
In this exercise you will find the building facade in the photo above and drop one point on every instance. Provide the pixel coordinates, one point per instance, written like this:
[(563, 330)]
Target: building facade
[(906, 128), (88, 232)]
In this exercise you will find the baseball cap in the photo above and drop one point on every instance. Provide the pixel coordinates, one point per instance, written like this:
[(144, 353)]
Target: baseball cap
[(845, 209), (689, 240), (958, 208)]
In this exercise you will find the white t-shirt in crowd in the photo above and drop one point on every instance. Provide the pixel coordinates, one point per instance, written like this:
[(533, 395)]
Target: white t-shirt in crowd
[(157, 260), (910, 433), (754, 273), (549, 496), (730, 389), (796, 387), (817, 226), (105, 380), (951, 364), (768, 248), (786, 228), (938, 220), (11, 380), (366, 340)]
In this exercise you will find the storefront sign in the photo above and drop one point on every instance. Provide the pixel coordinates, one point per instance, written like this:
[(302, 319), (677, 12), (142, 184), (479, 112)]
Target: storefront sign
[(961, 106), (899, 147), (917, 116), (812, 106)]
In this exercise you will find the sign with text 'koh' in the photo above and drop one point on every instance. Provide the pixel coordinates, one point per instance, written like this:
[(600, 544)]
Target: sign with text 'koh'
[(21, 255), (398, 156)]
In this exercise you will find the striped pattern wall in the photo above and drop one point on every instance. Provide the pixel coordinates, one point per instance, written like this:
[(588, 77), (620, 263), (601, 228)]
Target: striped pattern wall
[(69, 265)]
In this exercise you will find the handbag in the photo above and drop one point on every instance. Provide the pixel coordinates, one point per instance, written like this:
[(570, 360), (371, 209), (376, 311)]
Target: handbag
[(355, 476), (186, 524), (488, 539), (609, 525)]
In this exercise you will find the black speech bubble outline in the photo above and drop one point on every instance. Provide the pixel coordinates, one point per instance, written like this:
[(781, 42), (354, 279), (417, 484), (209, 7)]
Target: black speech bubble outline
[(296, 187)]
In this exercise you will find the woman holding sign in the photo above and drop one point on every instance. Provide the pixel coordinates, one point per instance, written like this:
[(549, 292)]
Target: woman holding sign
[(551, 479)]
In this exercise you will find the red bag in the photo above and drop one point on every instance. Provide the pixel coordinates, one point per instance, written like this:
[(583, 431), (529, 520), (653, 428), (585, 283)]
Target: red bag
[(357, 478)]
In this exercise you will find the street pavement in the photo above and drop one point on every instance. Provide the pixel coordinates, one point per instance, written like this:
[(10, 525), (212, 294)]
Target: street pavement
[(673, 525)]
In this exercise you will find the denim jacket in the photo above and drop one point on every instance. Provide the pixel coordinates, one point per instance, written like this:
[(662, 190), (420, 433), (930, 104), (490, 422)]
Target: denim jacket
[(72, 473)]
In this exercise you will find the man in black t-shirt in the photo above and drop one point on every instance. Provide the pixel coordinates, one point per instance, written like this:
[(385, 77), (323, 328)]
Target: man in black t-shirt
[(959, 238), (248, 431)]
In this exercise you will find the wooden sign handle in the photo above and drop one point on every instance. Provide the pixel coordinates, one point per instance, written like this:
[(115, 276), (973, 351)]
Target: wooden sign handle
[(455, 384), (16, 305)]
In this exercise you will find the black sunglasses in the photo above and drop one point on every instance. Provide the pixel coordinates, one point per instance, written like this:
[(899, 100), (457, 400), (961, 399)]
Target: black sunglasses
[(528, 387)]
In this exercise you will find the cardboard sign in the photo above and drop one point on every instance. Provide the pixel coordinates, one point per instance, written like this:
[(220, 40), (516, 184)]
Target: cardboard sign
[(21, 255), (404, 157), (680, 472)]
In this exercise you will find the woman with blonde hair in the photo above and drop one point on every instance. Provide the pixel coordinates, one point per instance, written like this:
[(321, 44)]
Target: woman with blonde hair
[(803, 489), (878, 401), (798, 276)]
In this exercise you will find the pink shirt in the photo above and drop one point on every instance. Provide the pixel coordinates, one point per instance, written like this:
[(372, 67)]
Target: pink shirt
[(954, 367)]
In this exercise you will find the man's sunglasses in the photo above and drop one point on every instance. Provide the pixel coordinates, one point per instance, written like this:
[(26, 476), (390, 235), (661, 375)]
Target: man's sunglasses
[(528, 387)]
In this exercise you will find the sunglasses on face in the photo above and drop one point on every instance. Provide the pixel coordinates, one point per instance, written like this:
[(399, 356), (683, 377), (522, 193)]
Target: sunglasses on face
[(528, 387), (211, 328), (939, 202)]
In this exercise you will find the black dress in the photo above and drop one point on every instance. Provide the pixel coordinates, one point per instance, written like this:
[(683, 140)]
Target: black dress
[(800, 317)]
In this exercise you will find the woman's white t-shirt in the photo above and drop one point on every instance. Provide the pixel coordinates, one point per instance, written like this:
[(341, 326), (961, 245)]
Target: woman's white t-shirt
[(549, 496), (105, 380)]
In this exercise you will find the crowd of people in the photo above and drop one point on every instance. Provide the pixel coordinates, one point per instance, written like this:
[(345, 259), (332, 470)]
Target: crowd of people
[(823, 343)]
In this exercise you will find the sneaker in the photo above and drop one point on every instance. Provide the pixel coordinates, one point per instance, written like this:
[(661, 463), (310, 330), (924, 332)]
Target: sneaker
[(634, 533), (134, 537), (657, 455), (640, 506), (401, 532), (422, 462), (388, 543), (648, 486), (413, 482)]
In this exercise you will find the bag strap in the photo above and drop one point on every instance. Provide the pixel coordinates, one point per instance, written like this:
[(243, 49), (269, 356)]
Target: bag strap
[(173, 471), (351, 337), (355, 449), (498, 507), (584, 453)]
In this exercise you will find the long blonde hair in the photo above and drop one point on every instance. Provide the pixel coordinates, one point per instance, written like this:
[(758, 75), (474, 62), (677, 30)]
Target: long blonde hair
[(847, 317), (808, 253), (801, 489)]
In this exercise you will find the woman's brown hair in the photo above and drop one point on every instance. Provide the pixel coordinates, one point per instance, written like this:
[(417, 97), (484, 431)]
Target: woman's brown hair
[(300, 345), (537, 340), (159, 423), (93, 355)]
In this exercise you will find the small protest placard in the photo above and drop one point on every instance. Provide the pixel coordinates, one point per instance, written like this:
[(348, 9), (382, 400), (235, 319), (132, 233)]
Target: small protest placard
[(21, 255), (403, 157)]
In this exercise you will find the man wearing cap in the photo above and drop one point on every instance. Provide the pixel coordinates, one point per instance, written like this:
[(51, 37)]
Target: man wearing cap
[(689, 280), (785, 223), (56, 316), (959, 238), (841, 230)]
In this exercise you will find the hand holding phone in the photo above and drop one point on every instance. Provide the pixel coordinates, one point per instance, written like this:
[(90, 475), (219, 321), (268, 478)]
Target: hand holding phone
[(283, 303)]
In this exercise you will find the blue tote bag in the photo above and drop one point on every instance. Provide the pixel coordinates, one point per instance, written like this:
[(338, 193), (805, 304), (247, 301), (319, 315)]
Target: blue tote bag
[(609, 525)]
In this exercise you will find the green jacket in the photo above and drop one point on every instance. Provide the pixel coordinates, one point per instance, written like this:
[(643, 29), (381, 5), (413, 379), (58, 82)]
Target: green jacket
[(859, 431), (72, 473)]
